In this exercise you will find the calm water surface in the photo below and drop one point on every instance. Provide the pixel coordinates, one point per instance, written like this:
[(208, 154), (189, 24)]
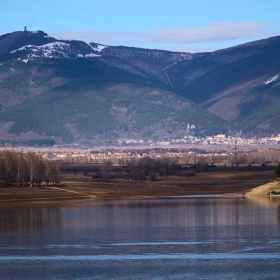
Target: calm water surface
[(196, 237)]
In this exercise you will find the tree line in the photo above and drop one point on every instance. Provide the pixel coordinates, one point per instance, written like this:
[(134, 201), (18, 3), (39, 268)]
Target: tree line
[(27, 169), (142, 168), (180, 157), (137, 168)]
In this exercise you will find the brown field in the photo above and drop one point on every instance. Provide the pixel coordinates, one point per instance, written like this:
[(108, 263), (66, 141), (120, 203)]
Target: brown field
[(80, 187)]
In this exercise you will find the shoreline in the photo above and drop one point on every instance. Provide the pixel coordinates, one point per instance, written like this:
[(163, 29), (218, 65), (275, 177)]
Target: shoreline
[(80, 188), (265, 190)]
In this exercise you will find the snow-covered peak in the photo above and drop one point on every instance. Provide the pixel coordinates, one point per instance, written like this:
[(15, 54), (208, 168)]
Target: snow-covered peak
[(272, 79), (57, 50), (50, 50), (98, 48)]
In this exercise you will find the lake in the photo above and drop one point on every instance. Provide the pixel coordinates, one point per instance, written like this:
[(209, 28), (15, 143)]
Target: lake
[(192, 237)]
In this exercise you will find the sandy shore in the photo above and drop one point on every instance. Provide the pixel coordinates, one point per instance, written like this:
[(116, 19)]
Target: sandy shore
[(265, 189), (81, 188)]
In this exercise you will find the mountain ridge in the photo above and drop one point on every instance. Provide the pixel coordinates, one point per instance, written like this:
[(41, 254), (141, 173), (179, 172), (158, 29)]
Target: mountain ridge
[(229, 83)]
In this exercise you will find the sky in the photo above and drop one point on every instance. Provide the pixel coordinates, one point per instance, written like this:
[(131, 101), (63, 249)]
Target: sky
[(175, 25)]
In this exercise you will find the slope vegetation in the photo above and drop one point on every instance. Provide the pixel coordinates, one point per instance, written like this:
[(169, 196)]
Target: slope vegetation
[(72, 90)]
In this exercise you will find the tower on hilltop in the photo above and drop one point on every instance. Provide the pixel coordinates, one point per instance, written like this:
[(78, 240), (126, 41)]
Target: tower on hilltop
[(25, 29)]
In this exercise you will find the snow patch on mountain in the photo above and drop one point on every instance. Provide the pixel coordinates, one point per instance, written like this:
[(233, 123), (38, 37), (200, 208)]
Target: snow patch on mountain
[(92, 55), (22, 48), (50, 50), (272, 79), (99, 48)]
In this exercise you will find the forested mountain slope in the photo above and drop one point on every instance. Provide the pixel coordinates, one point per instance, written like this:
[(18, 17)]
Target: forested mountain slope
[(72, 90)]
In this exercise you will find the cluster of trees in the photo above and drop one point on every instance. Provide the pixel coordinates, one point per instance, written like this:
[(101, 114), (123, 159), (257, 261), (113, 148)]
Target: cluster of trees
[(141, 168), (138, 168), (150, 166), (179, 157), (20, 169), (255, 157)]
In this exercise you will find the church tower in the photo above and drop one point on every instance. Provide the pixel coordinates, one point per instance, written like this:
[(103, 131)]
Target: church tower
[(25, 29)]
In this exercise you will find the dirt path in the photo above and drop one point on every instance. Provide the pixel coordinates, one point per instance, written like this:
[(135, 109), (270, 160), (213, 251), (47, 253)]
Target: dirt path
[(70, 191)]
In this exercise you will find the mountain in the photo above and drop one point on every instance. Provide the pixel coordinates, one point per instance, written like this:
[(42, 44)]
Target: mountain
[(74, 91), (243, 88), (71, 90)]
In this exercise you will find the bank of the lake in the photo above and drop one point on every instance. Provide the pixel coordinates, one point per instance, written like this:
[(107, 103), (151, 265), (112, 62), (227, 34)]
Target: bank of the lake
[(82, 188), (265, 190)]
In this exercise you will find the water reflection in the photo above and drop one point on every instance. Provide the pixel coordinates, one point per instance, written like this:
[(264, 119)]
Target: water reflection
[(176, 238), (267, 201), (29, 219), (185, 212), (167, 212), (264, 200)]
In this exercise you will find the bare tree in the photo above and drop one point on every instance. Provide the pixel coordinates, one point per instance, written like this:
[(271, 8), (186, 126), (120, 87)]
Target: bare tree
[(48, 171), (131, 163), (31, 167), (106, 169), (57, 172), (39, 170), (201, 164), (19, 169), (21, 166)]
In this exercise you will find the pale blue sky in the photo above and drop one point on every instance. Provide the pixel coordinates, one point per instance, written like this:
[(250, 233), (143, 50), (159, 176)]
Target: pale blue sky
[(182, 25)]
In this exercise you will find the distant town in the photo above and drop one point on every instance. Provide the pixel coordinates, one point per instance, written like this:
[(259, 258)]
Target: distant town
[(186, 141), (220, 139), (218, 150)]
